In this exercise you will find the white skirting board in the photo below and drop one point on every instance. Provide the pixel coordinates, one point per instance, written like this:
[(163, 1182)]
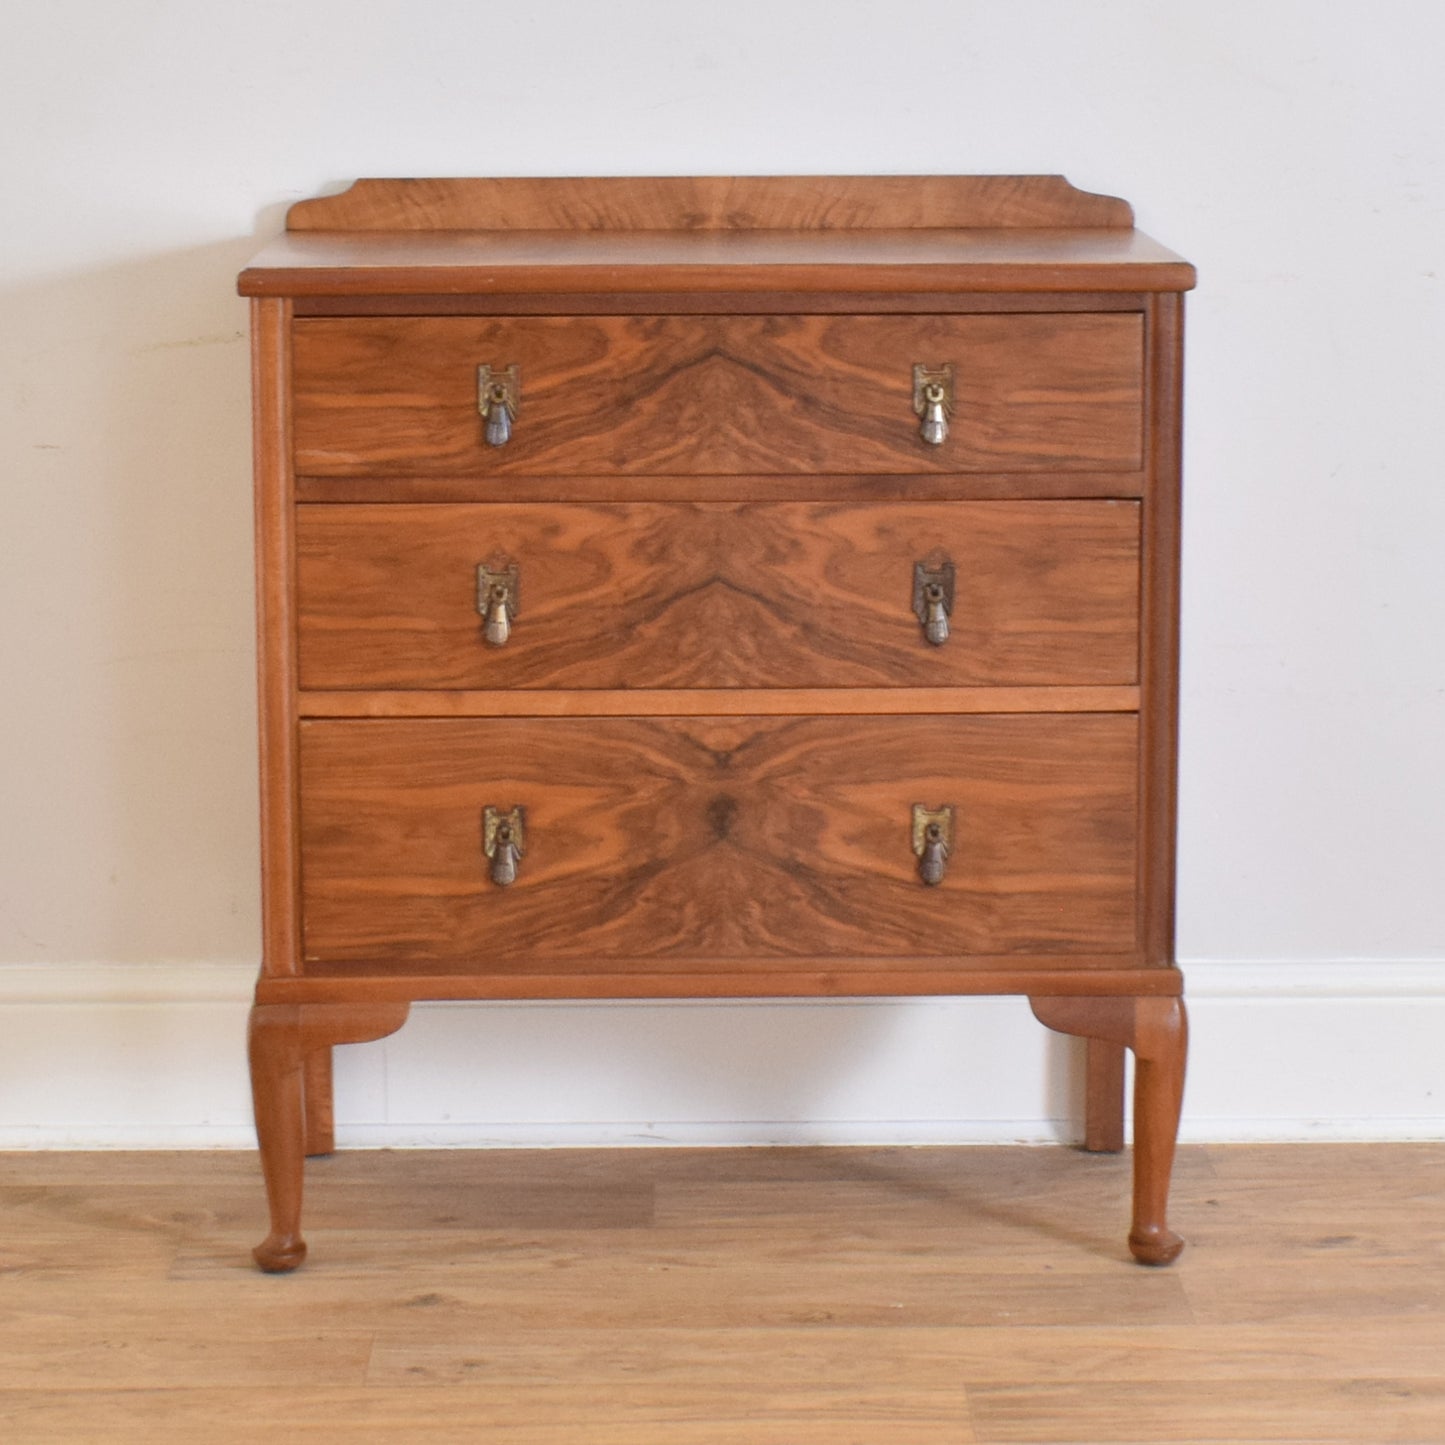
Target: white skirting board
[(153, 1057)]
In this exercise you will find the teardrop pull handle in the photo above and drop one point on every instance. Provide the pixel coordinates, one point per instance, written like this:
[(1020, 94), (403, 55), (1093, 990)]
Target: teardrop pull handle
[(933, 401), (933, 599), (934, 429), (498, 626), (935, 621), (503, 841), (497, 591), (499, 420), (932, 841), (499, 393)]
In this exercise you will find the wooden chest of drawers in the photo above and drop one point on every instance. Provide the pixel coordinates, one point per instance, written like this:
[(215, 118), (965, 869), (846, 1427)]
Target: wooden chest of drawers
[(701, 588)]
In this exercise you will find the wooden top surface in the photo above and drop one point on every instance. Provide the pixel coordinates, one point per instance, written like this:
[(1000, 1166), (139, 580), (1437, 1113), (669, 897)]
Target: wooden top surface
[(450, 263), (711, 235)]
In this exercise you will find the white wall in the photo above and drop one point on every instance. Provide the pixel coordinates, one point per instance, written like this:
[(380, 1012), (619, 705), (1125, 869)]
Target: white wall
[(1293, 149)]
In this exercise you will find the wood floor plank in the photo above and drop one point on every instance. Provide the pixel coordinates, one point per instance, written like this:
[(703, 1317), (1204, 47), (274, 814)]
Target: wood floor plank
[(1381, 1411), (696, 1297), (560, 1415), (120, 1356), (1343, 1291), (925, 1358)]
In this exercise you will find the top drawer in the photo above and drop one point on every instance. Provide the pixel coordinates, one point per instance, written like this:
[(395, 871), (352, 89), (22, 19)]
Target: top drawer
[(717, 395)]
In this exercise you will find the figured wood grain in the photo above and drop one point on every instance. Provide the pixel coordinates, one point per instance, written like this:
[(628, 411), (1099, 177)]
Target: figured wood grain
[(667, 203), (685, 346), (717, 395), (718, 596), (723, 838)]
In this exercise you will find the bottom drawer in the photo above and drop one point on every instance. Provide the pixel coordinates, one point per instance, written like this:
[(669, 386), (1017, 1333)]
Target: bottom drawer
[(646, 842)]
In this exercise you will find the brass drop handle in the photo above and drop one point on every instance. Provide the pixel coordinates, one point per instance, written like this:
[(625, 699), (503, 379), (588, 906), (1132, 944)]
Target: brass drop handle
[(932, 841), (499, 393), (935, 620), (933, 401), (933, 599), (498, 617), (503, 841), (498, 588)]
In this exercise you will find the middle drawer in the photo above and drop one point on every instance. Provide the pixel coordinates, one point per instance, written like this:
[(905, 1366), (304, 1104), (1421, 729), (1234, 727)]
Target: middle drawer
[(678, 594)]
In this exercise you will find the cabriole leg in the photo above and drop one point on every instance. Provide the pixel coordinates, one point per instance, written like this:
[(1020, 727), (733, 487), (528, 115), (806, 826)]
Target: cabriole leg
[(1161, 1039), (289, 1045), (1156, 1029), (276, 1091), (320, 1111), (1104, 1097)]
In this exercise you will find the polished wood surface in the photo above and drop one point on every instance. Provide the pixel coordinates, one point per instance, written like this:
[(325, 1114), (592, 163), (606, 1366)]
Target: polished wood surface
[(711, 236), (718, 702), (718, 596), (717, 395), (715, 706), (284, 1041), (1157, 1031), (1071, 975), (710, 1297), (275, 633), (726, 838), (318, 1096), (709, 268), (1159, 634), (835, 487), (1104, 1097), (592, 204), (739, 301)]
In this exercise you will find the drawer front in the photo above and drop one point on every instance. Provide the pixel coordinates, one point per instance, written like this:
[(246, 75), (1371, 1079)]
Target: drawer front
[(718, 595), (723, 395), (646, 842)]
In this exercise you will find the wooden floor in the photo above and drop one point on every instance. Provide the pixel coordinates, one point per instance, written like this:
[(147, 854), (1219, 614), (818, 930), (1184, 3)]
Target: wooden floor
[(725, 1297)]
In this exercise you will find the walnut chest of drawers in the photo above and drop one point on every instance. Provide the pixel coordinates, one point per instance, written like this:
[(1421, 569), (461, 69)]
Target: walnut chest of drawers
[(726, 587)]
